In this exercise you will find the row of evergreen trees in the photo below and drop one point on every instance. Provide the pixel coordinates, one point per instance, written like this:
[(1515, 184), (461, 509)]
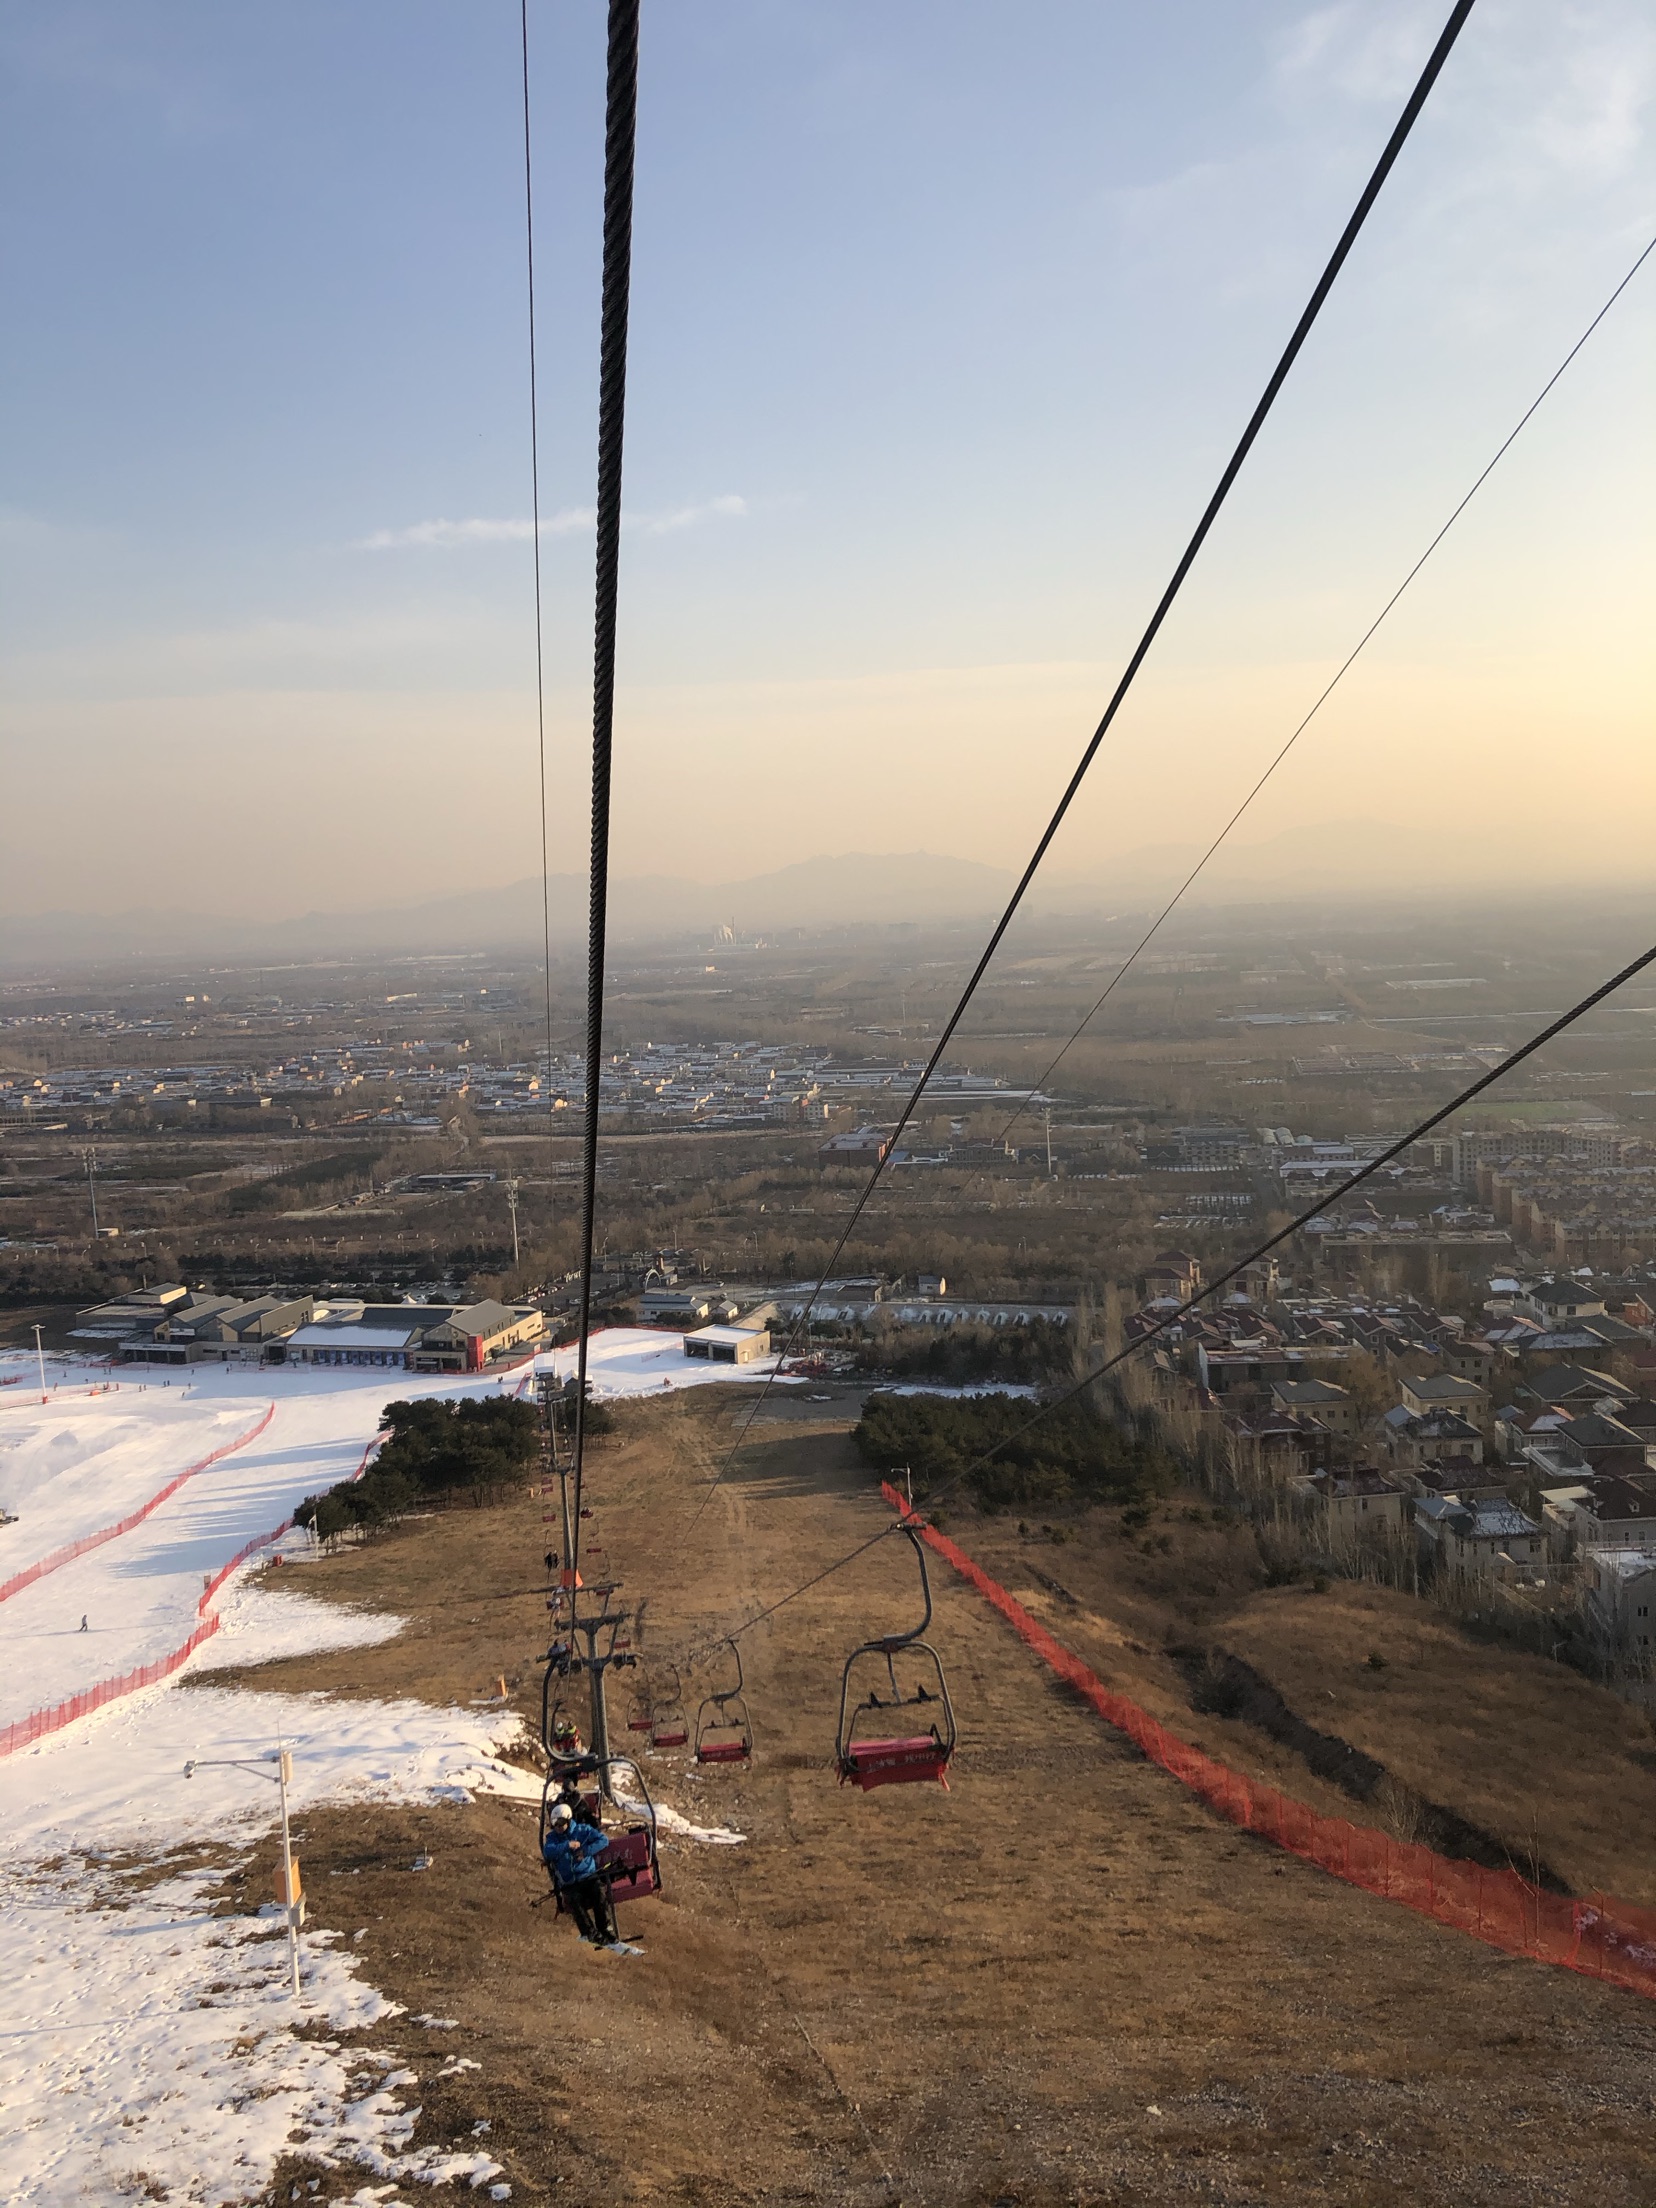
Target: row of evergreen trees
[(438, 1450), (1074, 1455)]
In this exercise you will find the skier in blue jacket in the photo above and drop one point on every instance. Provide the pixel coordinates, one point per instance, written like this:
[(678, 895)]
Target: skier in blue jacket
[(572, 1851)]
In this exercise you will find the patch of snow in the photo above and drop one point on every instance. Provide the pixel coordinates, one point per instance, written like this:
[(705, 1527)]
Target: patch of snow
[(671, 1821), (260, 1624), (147, 2050), (138, 2034), (650, 1360)]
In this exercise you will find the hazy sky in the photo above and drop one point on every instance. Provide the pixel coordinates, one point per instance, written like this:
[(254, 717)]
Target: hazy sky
[(944, 318)]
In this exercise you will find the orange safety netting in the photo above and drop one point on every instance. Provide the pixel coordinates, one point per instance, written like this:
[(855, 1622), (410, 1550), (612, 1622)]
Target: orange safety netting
[(26, 1730), (83, 1547), (1597, 1935)]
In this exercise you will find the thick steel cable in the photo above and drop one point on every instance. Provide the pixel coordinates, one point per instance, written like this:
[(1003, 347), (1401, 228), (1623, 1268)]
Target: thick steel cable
[(540, 642), (1333, 684), (1210, 513), (620, 132), (1170, 1319)]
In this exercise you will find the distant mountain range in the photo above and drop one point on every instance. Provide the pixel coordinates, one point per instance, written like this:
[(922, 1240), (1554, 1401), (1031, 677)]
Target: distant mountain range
[(858, 889), (1353, 858)]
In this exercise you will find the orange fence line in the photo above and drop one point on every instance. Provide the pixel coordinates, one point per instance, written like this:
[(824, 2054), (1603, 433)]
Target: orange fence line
[(39, 1723), (1601, 1937), (83, 1547)]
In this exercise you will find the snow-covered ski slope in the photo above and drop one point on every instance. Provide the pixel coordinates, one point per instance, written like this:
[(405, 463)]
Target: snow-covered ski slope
[(86, 1460), (77, 1463), (148, 2048)]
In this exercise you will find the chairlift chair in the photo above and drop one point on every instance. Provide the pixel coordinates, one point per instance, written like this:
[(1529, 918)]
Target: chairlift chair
[(724, 1731), (894, 1758), (669, 1727), (629, 1866)]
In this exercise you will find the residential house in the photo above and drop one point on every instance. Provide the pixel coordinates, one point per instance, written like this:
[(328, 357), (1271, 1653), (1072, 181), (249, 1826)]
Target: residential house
[(1429, 1392), (1356, 1505), (1272, 1445), (1560, 1522), (1483, 1540), (1616, 1514), (1414, 1440), (1175, 1273), (1575, 1387), (1620, 1586), (1332, 1407), (1599, 1437), (1640, 1414), (1459, 1477), (1557, 1304)]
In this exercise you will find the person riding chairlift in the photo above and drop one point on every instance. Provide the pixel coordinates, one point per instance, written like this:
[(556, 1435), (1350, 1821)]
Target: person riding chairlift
[(572, 1850)]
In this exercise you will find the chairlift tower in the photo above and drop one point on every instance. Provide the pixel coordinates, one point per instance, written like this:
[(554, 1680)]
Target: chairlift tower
[(89, 1158), (598, 1641)]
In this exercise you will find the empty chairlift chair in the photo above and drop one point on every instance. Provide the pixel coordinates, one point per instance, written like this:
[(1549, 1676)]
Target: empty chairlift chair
[(669, 1727), (899, 1754), (724, 1731)]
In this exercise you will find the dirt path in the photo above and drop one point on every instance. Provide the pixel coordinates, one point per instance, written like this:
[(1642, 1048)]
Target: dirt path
[(1062, 1981)]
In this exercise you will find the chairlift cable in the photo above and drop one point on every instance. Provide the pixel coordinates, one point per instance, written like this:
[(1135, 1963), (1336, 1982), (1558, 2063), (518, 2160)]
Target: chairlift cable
[(540, 640), (620, 132), (1210, 513), (1170, 1319), (1339, 676)]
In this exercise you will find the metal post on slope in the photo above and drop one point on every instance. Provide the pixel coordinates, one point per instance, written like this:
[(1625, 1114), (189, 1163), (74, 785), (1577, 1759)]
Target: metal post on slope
[(40, 1364), (292, 1901), (295, 1907)]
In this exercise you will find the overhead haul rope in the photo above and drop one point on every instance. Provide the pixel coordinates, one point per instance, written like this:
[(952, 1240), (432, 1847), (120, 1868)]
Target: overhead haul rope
[(620, 131), (1339, 676), (1210, 513), (540, 643), (1172, 1318)]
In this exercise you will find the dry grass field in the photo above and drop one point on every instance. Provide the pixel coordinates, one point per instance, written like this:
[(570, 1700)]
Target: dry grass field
[(1061, 1982)]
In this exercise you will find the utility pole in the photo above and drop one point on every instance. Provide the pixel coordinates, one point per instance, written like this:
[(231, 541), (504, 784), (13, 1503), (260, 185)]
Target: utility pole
[(40, 1363), (90, 1157), (1049, 1140), (511, 1206)]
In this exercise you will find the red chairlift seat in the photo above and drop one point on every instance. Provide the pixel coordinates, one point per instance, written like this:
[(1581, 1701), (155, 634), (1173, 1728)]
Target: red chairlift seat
[(868, 1763), (737, 1750), (629, 1865)]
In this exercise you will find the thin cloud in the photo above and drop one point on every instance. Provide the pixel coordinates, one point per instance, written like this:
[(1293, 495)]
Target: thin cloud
[(451, 536), (729, 508)]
